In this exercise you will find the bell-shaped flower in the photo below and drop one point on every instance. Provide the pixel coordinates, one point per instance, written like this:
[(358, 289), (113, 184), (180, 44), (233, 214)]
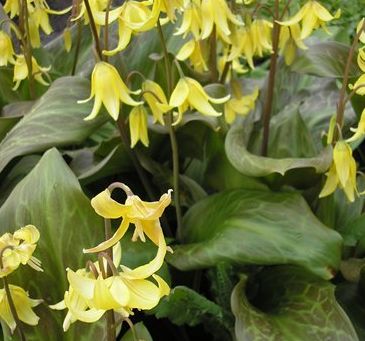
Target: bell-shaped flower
[(312, 15), (189, 93), (21, 71), (359, 86), (144, 215), (11, 7), (239, 105), (38, 19), (23, 306), (193, 50), (138, 125), (18, 248), (108, 89), (156, 100), (6, 49), (289, 41), (342, 172), (191, 21)]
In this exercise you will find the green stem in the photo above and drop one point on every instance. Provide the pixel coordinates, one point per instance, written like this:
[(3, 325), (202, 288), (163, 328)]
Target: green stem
[(93, 29), (213, 57), (26, 44), (266, 114), (77, 49), (106, 29), (172, 133), (342, 97)]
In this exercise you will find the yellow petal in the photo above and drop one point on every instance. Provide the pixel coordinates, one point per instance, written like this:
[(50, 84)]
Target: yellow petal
[(29, 234), (81, 284), (180, 93), (331, 182), (107, 207)]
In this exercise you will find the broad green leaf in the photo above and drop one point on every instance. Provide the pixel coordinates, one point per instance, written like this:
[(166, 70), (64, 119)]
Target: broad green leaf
[(254, 227), (291, 305), (186, 306), (54, 120), (326, 59), (7, 95), (254, 165), (141, 333), (354, 234), (50, 198)]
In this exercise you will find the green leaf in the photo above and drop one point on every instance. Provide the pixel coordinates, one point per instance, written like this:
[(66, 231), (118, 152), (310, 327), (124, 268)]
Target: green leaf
[(186, 306), (326, 59), (293, 305), (141, 333), (254, 227), (50, 198), (55, 120), (253, 165)]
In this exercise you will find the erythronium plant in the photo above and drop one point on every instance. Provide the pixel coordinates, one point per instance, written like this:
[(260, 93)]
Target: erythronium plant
[(234, 121)]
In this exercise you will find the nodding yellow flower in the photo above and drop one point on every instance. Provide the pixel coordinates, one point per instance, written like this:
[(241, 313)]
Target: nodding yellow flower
[(67, 39), (21, 71), (170, 6), (7, 50), (361, 59), (191, 21), (239, 104), (359, 26), (217, 13), (23, 306), (359, 86), (156, 100), (359, 132), (289, 41), (342, 172), (312, 15), (194, 50), (108, 89), (189, 93), (18, 248), (90, 295), (138, 125), (11, 7), (38, 18), (144, 215)]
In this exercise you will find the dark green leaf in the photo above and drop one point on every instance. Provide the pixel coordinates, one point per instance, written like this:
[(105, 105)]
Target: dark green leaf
[(55, 120), (254, 227), (50, 198), (294, 305)]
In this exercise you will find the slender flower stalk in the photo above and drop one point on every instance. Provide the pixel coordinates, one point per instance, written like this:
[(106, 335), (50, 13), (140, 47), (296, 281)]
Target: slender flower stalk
[(266, 114), (173, 140), (94, 30)]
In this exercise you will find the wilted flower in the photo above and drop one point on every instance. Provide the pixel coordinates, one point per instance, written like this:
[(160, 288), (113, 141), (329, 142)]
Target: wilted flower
[(18, 248), (6, 48), (23, 306), (312, 15), (21, 71), (138, 125), (108, 89), (342, 172), (189, 93)]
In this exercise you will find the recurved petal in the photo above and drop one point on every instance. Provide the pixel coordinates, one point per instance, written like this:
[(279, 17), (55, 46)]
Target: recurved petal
[(107, 207), (162, 285), (28, 233), (82, 285), (180, 93), (198, 101), (331, 182)]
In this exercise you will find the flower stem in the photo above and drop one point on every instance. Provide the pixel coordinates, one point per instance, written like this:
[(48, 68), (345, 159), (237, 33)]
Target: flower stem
[(172, 133), (93, 29), (266, 114), (77, 49), (26, 44), (213, 57), (342, 97), (106, 28)]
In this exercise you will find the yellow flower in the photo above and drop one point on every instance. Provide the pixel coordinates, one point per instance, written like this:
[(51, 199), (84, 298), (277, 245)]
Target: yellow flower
[(18, 248), (12, 7), (67, 39), (21, 71), (312, 15), (156, 100), (138, 125), (189, 93), (217, 12), (108, 89), (90, 295), (289, 41), (359, 132), (191, 21), (6, 48), (342, 172), (359, 85), (193, 49), (359, 26), (144, 215), (38, 18), (361, 59), (239, 104), (170, 6), (23, 306)]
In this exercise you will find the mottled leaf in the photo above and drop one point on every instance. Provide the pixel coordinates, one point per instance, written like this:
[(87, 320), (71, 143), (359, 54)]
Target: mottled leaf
[(254, 227), (292, 305)]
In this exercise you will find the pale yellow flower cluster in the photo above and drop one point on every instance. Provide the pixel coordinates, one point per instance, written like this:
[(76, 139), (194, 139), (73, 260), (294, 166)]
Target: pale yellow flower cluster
[(16, 249), (91, 294)]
